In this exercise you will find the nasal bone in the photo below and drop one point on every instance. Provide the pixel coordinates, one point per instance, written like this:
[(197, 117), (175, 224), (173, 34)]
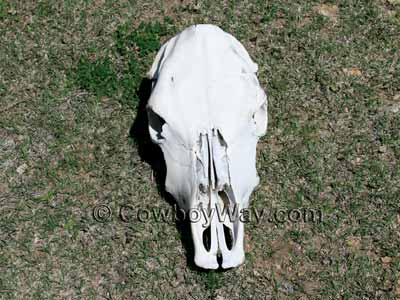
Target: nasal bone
[(219, 234)]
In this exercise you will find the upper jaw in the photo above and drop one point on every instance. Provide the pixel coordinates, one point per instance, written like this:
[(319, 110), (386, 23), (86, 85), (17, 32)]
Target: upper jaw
[(209, 259), (217, 233)]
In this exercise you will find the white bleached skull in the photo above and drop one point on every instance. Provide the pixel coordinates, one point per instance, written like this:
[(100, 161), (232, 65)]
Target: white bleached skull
[(206, 112)]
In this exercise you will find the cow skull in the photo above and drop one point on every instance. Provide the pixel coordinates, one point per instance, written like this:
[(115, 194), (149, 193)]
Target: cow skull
[(207, 112)]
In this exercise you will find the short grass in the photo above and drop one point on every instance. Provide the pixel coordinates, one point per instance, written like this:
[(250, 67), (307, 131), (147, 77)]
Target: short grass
[(70, 75)]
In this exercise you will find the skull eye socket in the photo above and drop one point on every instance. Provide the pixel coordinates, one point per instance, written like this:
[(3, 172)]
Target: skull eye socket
[(156, 122), (260, 119)]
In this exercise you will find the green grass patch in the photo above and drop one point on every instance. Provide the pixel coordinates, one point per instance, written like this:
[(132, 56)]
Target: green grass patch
[(97, 77), (119, 75)]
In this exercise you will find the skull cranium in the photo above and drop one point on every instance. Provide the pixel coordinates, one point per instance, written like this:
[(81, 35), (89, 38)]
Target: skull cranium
[(206, 112)]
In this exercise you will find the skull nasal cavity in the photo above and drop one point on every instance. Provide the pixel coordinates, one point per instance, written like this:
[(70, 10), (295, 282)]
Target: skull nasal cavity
[(228, 237), (225, 199), (207, 238)]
